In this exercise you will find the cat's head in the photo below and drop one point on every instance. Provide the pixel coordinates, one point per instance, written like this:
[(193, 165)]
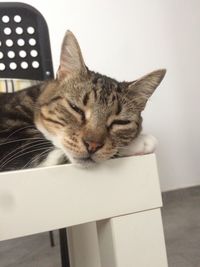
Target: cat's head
[(88, 115)]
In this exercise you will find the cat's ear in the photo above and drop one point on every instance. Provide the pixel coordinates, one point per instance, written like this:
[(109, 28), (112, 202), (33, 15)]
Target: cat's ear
[(71, 59), (142, 89)]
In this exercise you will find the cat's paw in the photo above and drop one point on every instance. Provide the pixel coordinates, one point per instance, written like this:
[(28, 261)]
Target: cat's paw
[(143, 144)]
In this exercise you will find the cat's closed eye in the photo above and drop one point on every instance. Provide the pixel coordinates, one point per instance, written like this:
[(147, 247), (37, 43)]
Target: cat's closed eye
[(77, 110), (118, 122)]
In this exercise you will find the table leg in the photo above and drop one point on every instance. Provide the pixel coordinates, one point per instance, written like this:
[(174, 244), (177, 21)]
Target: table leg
[(132, 240)]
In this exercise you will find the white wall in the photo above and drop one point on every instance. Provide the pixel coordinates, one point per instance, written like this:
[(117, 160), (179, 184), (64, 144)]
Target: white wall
[(128, 38)]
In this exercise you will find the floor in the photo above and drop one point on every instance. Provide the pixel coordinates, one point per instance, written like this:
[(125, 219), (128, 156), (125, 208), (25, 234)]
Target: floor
[(31, 251), (181, 217)]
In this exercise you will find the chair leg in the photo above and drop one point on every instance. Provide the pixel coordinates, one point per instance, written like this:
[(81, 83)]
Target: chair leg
[(64, 248)]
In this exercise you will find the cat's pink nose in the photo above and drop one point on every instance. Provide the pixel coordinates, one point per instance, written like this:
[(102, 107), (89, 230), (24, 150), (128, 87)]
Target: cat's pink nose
[(92, 146)]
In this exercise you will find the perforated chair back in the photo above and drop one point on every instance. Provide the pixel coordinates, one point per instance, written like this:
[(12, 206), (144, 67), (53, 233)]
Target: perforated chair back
[(25, 51)]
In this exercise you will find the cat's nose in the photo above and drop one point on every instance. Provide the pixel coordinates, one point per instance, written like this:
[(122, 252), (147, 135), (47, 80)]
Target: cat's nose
[(92, 146)]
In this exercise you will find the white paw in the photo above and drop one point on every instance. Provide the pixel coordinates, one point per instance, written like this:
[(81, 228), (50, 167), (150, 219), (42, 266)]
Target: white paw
[(143, 144)]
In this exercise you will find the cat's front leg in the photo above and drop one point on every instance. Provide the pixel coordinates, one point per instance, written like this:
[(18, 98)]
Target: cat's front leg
[(143, 144)]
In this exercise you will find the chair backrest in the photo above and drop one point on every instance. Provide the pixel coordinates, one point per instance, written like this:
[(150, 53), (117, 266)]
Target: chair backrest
[(25, 51)]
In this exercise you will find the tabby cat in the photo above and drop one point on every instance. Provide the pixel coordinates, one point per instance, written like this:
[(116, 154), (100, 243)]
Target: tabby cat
[(81, 117)]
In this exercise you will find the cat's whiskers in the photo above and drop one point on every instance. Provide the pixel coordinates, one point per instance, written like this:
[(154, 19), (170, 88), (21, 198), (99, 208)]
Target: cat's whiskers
[(24, 146), (22, 139), (5, 130), (30, 162), (20, 149), (20, 129), (22, 154)]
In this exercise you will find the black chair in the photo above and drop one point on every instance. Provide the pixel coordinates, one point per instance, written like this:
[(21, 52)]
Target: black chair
[(24, 43), (25, 53)]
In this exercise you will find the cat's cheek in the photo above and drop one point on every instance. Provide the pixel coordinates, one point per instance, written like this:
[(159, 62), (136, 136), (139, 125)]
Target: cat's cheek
[(43, 128), (73, 150), (105, 154), (53, 138), (44, 131), (122, 140), (73, 145), (103, 157)]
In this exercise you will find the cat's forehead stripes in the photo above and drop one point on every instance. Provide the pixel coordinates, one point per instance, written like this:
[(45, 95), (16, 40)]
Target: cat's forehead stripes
[(94, 93), (51, 101), (119, 108), (85, 99)]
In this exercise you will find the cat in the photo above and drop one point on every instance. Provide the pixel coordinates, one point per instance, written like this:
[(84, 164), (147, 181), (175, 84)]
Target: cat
[(81, 117)]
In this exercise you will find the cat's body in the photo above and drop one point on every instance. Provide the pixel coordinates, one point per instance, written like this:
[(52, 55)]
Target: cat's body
[(21, 144), (81, 116)]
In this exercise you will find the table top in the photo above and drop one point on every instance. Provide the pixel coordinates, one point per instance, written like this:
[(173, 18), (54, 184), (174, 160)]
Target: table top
[(43, 199)]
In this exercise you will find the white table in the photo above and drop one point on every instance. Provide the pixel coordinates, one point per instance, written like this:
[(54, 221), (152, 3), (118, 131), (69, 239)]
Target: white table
[(112, 211)]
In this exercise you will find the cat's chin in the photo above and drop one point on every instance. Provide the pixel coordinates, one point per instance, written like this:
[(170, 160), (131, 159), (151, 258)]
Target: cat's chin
[(84, 162)]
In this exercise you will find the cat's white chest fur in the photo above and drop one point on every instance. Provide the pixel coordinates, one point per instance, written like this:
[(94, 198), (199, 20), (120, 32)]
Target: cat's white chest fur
[(53, 158)]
